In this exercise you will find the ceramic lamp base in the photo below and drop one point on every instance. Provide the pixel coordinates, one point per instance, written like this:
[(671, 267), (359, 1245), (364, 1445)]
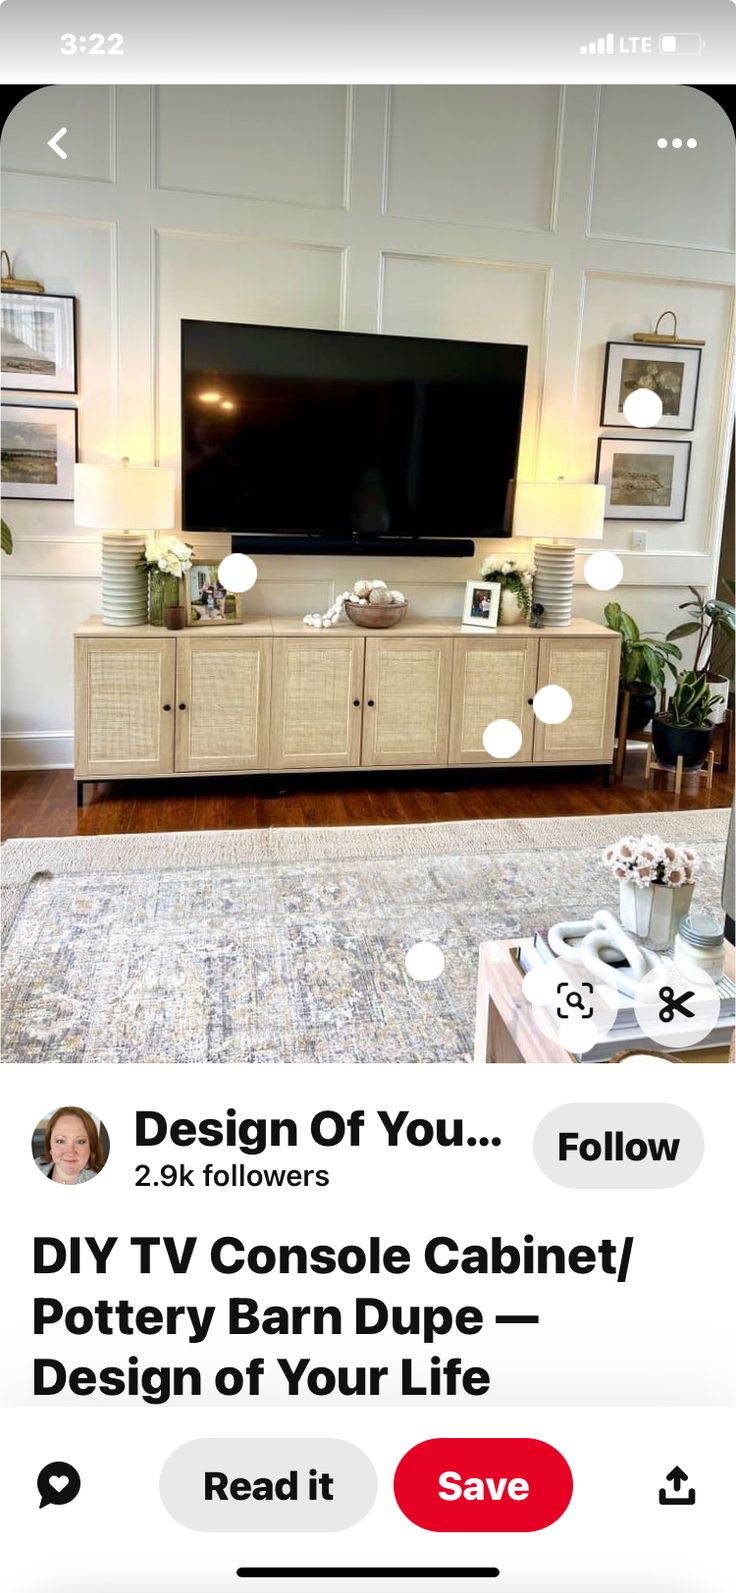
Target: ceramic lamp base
[(124, 579), (554, 575)]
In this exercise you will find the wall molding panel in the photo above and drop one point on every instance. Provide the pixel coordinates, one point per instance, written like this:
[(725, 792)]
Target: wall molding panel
[(363, 208)]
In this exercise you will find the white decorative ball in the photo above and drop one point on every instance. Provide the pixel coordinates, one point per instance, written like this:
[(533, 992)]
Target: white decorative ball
[(380, 597), (361, 588), (374, 585), (398, 597)]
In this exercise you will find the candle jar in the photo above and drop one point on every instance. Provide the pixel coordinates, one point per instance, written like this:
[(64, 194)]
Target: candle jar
[(700, 950)]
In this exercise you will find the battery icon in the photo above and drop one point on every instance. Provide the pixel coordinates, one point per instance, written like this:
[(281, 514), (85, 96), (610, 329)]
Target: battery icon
[(680, 43)]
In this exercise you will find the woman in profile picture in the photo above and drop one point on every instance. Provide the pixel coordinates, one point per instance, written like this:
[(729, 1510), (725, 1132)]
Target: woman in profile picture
[(72, 1151)]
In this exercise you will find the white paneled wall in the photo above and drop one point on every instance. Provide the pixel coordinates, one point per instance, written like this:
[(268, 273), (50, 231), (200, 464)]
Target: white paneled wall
[(521, 214)]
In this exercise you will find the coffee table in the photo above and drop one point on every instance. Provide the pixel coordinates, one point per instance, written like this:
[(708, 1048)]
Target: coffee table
[(505, 1030)]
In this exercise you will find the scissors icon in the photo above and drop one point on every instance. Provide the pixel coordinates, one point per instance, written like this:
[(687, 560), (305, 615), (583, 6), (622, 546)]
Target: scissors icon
[(673, 1004)]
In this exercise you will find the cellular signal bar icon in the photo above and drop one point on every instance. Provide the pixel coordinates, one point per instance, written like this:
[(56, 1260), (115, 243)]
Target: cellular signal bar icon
[(599, 46)]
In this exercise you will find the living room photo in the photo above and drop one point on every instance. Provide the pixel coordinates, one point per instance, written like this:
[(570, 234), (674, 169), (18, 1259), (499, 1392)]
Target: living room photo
[(367, 574)]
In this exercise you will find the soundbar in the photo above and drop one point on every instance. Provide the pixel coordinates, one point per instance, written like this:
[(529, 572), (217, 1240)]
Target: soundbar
[(378, 547)]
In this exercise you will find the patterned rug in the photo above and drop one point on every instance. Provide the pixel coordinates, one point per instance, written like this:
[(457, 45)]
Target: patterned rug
[(288, 946)]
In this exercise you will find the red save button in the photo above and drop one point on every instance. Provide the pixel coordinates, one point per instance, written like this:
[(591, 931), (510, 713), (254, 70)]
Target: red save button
[(483, 1485)]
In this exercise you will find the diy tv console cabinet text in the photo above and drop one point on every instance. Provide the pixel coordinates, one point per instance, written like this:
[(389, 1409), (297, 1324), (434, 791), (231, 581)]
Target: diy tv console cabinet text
[(270, 694)]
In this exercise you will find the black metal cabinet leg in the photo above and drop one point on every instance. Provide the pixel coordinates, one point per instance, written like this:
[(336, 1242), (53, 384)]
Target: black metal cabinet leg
[(80, 793)]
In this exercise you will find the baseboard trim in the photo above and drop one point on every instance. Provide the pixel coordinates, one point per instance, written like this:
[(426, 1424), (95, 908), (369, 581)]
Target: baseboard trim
[(36, 749)]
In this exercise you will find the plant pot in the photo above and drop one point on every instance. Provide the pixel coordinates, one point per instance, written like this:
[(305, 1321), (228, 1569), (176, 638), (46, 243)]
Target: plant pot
[(672, 741), (163, 592), (175, 617), (719, 687), (653, 913), (642, 703), (510, 611)]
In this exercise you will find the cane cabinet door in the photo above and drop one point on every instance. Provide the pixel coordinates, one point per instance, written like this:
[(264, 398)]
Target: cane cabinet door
[(494, 677), (407, 700), (317, 701), (223, 688), (588, 667), (125, 707)]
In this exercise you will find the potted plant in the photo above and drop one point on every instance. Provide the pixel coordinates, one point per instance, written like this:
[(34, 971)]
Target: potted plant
[(515, 577), (167, 559), (656, 884), (712, 621), (644, 662), (686, 728)]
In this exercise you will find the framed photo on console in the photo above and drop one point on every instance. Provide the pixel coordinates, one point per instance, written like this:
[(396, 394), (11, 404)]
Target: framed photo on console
[(209, 603), (39, 449), (38, 351), (672, 373), (645, 479), (482, 599)]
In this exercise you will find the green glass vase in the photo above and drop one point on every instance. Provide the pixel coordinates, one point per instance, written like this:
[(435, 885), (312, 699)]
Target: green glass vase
[(164, 591)]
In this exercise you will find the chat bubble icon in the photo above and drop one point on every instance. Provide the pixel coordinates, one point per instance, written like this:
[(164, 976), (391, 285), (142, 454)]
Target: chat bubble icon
[(58, 1483), (268, 1485), (609, 1145)]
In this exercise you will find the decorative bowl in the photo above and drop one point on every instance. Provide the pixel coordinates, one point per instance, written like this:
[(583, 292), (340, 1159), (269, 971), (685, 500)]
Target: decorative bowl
[(375, 616)]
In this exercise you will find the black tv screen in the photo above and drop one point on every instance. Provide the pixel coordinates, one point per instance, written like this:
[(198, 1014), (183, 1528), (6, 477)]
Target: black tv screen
[(352, 434)]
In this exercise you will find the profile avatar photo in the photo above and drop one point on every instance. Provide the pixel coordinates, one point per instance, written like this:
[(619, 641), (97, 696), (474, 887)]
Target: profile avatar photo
[(70, 1145)]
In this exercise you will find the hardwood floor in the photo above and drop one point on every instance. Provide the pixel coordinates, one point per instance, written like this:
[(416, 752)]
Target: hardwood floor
[(44, 803)]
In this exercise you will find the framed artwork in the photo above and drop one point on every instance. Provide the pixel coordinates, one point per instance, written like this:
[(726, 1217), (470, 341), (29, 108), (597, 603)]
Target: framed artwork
[(482, 599), (645, 479), (672, 373), (38, 452), (209, 603), (38, 342)]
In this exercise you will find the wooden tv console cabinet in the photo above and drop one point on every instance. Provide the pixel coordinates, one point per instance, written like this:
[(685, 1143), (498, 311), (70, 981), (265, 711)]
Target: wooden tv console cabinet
[(272, 695)]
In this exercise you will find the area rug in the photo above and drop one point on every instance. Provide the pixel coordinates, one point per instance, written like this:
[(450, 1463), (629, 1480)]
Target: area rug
[(289, 946)]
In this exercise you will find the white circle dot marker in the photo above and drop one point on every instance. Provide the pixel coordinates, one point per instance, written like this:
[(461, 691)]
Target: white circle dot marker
[(502, 738), (677, 143), (237, 573), (662, 143), (603, 571), (552, 704), (643, 407), (424, 961), (692, 143)]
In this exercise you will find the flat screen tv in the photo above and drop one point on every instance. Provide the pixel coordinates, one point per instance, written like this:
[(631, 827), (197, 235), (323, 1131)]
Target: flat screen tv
[(347, 440)]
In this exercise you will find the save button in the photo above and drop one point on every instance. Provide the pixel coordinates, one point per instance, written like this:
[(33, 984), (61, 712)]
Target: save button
[(483, 1485)]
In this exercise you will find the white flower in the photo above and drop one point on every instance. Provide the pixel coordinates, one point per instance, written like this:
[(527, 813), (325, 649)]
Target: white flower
[(676, 876), (619, 871), (507, 567)]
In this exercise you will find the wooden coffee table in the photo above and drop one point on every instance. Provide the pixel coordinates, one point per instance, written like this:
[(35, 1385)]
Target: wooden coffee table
[(505, 1030)]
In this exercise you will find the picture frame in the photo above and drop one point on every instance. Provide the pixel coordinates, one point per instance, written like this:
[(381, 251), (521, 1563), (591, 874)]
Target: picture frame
[(655, 488), (209, 603), (673, 373), (38, 342), (482, 600), (39, 452)]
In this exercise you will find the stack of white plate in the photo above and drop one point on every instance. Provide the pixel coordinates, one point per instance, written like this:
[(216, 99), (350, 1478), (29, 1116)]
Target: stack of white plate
[(554, 574), (124, 580)]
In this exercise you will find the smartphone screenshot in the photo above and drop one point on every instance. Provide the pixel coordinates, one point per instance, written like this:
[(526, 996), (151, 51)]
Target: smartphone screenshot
[(367, 743)]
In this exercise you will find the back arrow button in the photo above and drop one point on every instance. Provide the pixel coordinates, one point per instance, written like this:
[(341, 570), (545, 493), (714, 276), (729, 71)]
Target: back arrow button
[(54, 144)]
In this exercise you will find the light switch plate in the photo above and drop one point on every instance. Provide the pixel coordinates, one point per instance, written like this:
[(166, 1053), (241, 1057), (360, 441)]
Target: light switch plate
[(639, 541)]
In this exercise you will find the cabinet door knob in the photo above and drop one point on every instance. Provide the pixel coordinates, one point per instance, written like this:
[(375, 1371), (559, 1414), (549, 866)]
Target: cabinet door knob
[(356, 702), (167, 707), (530, 701), (182, 705), (371, 703)]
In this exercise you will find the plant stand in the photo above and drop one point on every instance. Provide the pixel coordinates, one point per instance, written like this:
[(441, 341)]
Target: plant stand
[(724, 730), (704, 772)]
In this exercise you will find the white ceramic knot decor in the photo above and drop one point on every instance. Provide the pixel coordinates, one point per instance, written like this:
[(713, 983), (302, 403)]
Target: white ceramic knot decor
[(600, 935)]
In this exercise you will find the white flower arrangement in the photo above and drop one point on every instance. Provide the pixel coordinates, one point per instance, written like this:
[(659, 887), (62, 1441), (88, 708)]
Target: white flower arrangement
[(498, 565), (648, 860), (168, 554)]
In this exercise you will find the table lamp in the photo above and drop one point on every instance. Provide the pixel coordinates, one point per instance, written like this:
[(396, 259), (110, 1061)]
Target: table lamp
[(555, 515), (126, 500)]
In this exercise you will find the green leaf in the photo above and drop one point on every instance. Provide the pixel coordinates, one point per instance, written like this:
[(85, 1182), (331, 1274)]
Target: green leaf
[(688, 629), (7, 538)]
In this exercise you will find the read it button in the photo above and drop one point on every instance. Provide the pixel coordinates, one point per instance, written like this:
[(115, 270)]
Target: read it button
[(483, 1485)]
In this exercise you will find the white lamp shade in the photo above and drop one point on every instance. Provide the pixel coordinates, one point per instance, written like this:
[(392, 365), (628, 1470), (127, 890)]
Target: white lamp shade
[(124, 497), (569, 510)]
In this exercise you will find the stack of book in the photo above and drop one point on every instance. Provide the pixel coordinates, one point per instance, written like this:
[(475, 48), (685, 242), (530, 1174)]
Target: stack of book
[(625, 1033)]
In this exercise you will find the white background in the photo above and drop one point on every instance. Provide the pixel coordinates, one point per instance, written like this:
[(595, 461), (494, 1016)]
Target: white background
[(665, 1337)]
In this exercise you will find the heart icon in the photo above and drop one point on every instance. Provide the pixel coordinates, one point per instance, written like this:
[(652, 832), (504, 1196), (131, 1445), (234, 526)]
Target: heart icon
[(57, 1483)]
